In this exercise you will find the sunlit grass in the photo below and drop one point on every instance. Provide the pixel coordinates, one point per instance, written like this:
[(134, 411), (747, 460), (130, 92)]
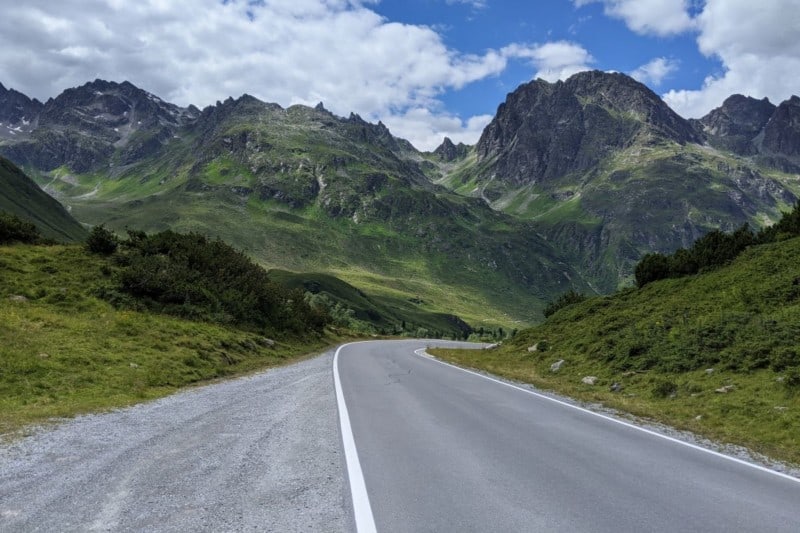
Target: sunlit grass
[(672, 345)]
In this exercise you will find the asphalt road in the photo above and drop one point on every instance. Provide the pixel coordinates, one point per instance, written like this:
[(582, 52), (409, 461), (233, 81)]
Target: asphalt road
[(441, 449)]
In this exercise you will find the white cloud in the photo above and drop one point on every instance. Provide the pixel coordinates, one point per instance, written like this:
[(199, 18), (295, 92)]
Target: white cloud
[(285, 51), (655, 71), (431, 128), (759, 49), (555, 60), (476, 4), (648, 17)]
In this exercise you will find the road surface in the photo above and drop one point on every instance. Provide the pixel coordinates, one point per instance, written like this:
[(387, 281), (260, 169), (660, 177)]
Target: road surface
[(438, 449), (260, 453), (441, 449)]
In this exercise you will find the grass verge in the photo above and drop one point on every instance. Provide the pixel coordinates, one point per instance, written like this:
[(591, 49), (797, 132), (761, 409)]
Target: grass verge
[(64, 351), (716, 353)]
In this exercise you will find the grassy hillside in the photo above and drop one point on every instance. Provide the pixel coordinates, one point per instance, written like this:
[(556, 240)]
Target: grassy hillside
[(383, 314), (20, 196), (653, 196), (64, 351), (302, 190), (717, 353)]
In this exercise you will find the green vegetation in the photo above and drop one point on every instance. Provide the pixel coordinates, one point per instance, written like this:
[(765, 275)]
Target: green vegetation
[(101, 241), (565, 300), (14, 229), (193, 277), (301, 190), (65, 350), (716, 353), (21, 197), (356, 310), (713, 250)]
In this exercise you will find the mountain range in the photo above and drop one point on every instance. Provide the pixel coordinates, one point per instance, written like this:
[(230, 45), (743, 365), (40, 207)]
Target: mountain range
[(569, 185)]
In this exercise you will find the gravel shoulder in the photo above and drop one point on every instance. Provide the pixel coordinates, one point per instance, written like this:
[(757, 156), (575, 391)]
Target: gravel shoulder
[(260, 453)]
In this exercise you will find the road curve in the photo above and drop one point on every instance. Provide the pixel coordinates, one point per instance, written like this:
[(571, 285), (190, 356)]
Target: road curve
[(442, 449)]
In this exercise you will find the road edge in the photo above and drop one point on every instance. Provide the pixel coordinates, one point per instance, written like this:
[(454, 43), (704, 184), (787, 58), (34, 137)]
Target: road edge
[(362, 510), (425, 355)]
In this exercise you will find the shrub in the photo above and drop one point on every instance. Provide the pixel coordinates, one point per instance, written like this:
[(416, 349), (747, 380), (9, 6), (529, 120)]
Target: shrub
[(101, 241), (652, 267), (792, 380), (188, 275), (664, 389), (14, 229), (565, 300), (783, 358)]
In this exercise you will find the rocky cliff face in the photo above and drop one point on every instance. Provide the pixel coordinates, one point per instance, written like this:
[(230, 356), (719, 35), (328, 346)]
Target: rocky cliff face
[(99, 124), (448, 152), (545, 131), (735, 125), (782, 132), (751, 127), (18, 113)]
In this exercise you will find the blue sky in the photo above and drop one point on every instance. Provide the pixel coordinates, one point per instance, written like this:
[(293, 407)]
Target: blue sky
[(426, 68), (473, 27)]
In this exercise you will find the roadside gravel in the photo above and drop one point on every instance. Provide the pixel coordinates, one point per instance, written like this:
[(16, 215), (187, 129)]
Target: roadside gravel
[(260, 453)]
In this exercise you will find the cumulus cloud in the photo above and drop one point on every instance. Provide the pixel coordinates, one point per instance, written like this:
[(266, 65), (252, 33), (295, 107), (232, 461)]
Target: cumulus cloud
[(760, 56), (431, 128), (655, 71), (285, 51), (555, 60), (648, 17)]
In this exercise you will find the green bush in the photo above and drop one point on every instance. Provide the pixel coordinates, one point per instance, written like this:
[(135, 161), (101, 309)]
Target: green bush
[(713, 249), (190, 276), (792, 380), (101, 241), (14, 229), (565, 300), (664, 389), (652, 267)]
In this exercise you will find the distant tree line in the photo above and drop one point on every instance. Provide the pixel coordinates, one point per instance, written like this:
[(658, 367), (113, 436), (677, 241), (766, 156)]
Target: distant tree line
[(192, 276), (713, 250)]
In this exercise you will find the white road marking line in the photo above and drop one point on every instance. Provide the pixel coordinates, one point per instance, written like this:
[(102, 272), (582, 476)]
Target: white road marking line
[(426, 355), (365, 522)]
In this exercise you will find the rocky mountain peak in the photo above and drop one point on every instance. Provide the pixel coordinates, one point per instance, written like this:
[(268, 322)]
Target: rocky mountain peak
[(547, 130), (735, 125), (448, 152), (782, 132), (110, 110), (18, 113)]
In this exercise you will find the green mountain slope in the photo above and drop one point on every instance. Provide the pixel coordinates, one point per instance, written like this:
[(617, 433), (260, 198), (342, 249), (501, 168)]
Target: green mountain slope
[(608, 172), (300, 189), (383, 314), (20, 196), (716, 353)]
